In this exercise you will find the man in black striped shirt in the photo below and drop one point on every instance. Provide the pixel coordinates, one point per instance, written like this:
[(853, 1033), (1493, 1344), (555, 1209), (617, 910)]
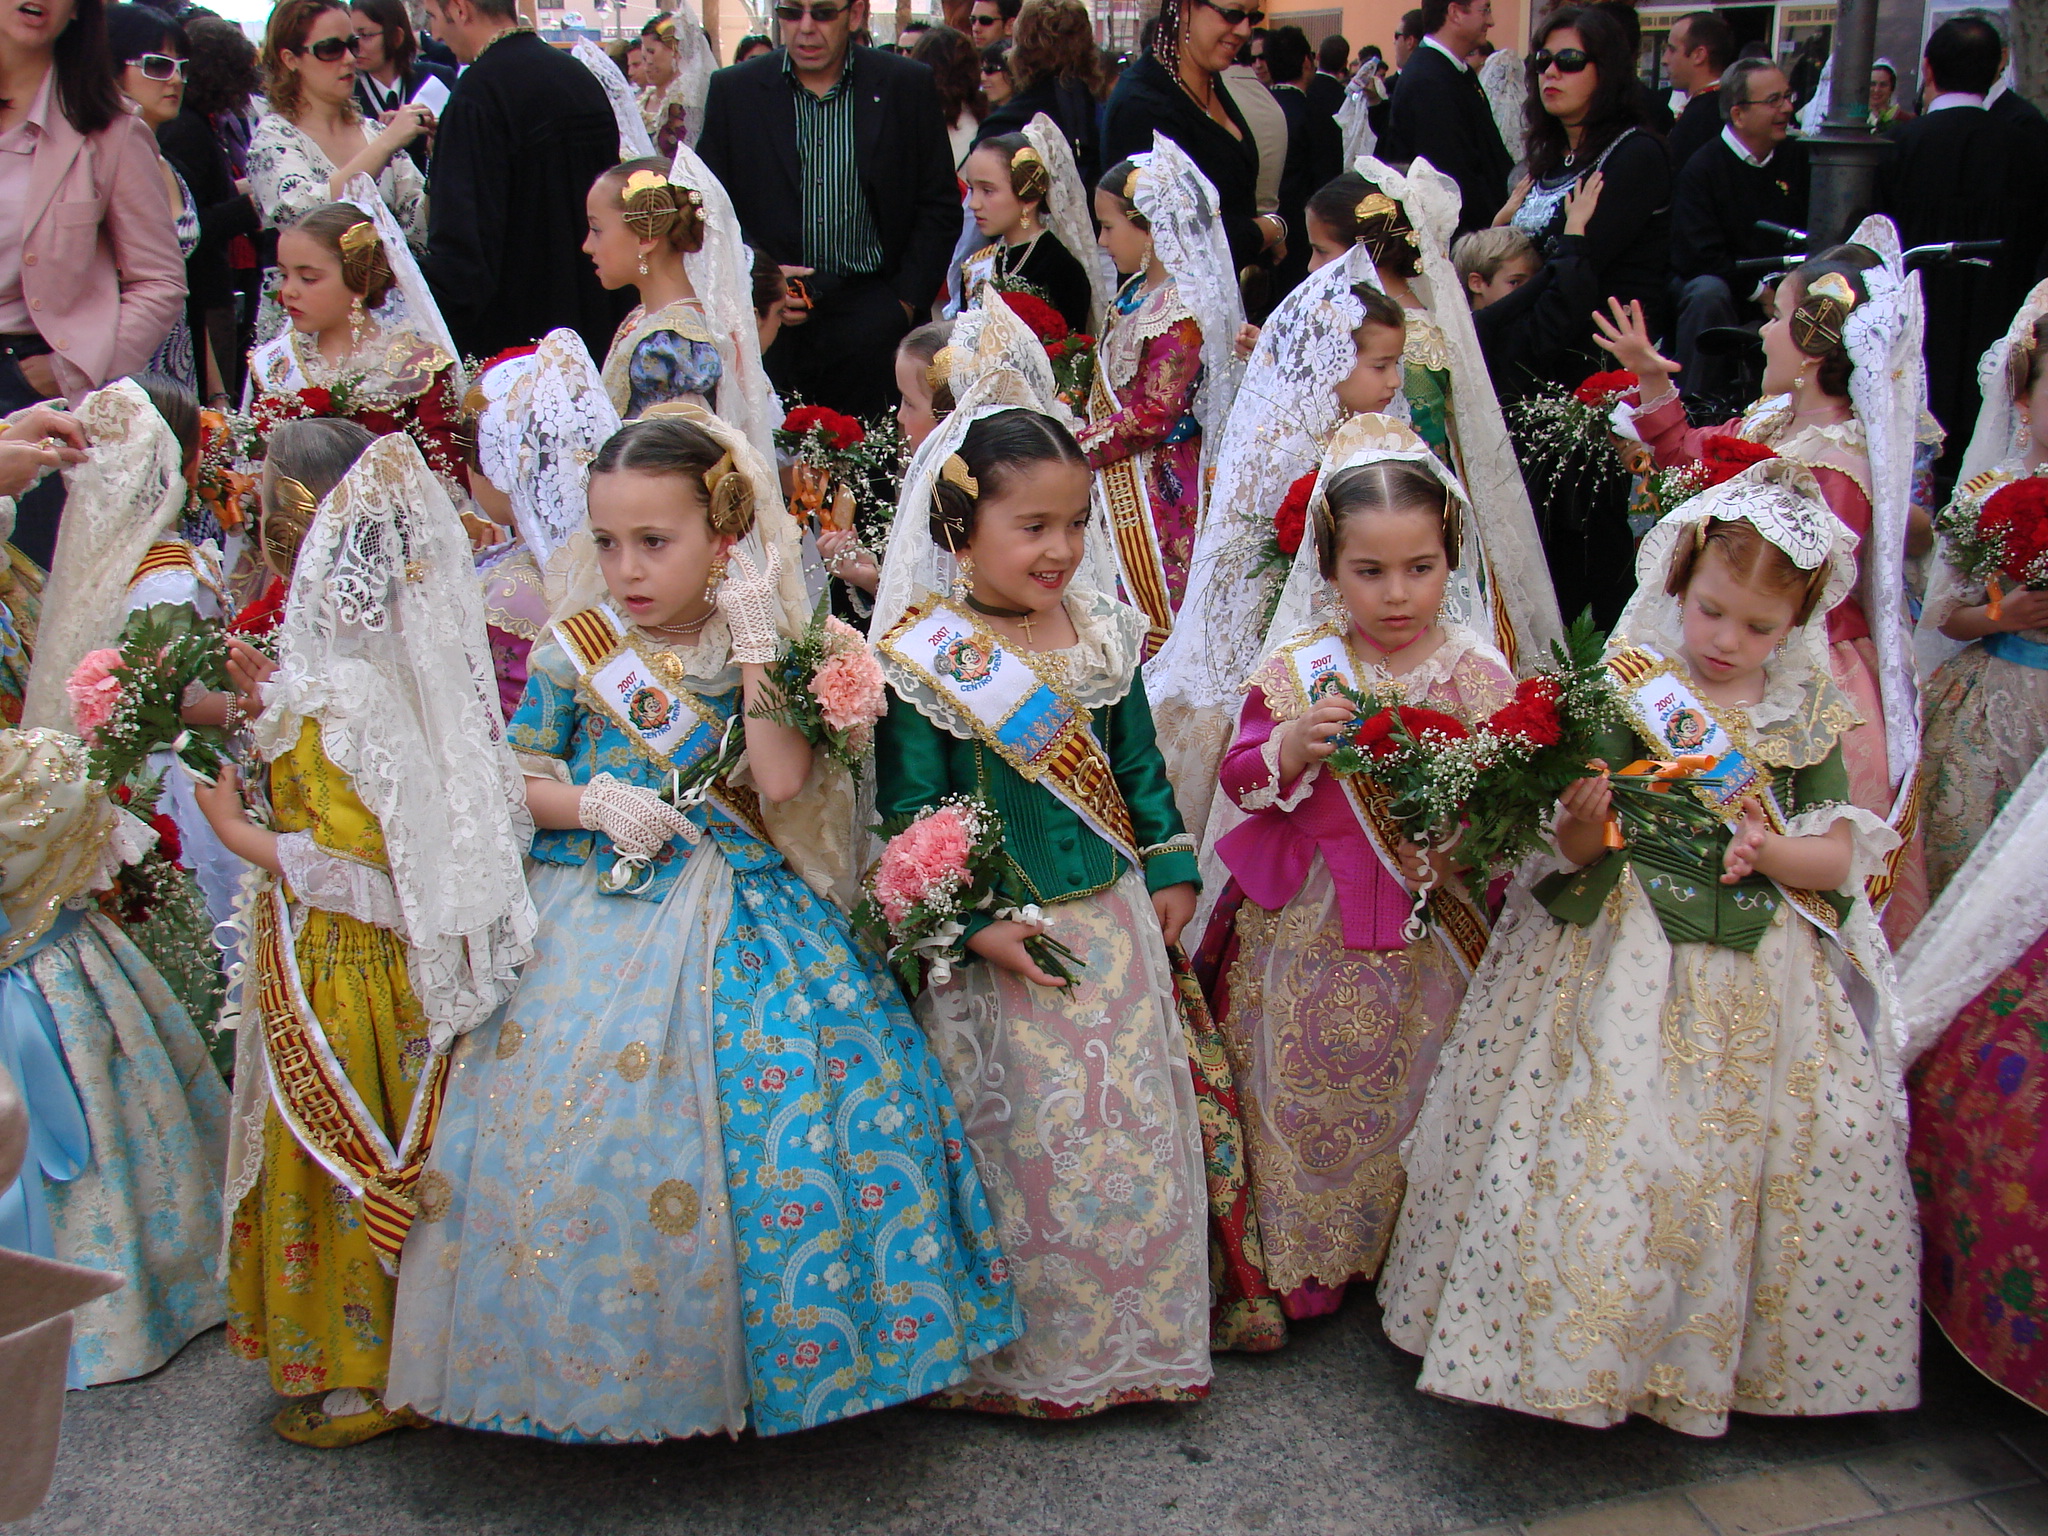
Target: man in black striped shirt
[(837, 162)]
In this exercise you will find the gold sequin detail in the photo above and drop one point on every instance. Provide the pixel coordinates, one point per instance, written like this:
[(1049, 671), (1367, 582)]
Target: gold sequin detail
[(434, 1194), (510, 1037), (633, 1063), (673, 1207)]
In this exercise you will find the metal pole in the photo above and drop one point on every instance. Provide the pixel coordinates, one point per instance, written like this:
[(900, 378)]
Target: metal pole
[(1846, 153)]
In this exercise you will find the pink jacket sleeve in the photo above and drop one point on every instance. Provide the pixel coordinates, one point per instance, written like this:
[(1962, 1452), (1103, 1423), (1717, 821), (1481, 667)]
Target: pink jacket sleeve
[(1162, 392), (1672, 440), (142, 227)]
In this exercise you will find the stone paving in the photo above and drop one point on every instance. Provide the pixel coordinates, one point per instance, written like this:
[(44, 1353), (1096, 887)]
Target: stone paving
[(1328, 1438)]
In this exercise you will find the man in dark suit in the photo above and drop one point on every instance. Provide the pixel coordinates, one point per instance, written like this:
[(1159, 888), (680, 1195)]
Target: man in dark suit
[(1333, 69), (1315, 148), (837, 163), (524, 134), (1441, 114), (1959, 172), (1699, 47)]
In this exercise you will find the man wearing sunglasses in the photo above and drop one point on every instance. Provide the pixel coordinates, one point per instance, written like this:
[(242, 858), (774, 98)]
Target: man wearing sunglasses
[(1440, 112), (838, 165), (990, 21), (521, 138)]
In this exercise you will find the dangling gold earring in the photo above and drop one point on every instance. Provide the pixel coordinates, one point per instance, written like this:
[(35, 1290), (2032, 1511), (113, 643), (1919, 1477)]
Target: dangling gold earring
[(963, 577), (356, 317), (713, 579), (643, 265)]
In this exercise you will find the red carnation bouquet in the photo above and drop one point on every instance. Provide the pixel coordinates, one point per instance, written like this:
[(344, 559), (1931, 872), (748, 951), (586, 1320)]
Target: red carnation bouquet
[(1487, 791), (1723, 456), (1603, 391), (1565, 439), (845, 470), (1071, 352), (1998, 534), (1283, 542)]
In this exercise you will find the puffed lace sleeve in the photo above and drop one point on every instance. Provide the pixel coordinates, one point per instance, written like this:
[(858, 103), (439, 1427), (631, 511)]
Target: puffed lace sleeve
[(326, 880)]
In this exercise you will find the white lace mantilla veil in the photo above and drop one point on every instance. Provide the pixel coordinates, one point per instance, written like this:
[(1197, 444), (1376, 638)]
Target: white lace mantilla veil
[(990, 338), (2001, 437), (545, 416), (383, 646), (695, 65), (1888, 387), (634, 143), (1506, 86), (1503, 529), (411, 302), (1985, 919), (1285, 411), (721, 271), (1070, 217), (1783, 501), (1179, 204), (1354, 121), (122, 499)]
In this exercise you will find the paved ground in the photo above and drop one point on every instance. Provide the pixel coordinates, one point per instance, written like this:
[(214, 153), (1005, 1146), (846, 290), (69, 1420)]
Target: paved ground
[(1328, 1437)]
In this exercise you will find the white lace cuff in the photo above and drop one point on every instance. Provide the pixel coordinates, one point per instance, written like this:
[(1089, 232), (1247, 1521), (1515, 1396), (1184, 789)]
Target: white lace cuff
[(536, 765), (1267, 797), (319, 878), (1871, 839)]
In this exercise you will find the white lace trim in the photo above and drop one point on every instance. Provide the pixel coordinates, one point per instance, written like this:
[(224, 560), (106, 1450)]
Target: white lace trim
[(545, 416), (1872, 840), (1267, 797), (321, 878), (1180, 204), (1070, 217), (634, 143)]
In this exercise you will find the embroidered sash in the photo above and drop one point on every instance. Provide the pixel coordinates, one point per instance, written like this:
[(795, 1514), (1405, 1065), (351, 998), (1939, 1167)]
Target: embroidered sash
[(321, 1107), (1016, 711), (1316, 663), (1662, 707), (1132, 531), (647, 699)]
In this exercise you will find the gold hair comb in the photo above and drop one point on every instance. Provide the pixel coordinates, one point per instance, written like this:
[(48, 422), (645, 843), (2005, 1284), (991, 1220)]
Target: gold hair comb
[(956, 473)]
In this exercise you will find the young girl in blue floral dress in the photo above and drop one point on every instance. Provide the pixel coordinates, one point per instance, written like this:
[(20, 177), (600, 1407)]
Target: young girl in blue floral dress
[(702, 1174)]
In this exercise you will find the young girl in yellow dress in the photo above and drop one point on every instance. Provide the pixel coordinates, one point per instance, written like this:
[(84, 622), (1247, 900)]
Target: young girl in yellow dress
[(1662, 1166), (391, 916)]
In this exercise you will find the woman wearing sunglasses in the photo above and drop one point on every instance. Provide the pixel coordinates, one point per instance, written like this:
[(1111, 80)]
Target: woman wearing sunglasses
[(1177, 87), (149, 60), (313, 141), (81, 300), (1597, 202)]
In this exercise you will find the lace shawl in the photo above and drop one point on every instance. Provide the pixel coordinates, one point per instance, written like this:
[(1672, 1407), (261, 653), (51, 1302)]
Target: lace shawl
[(634, 143), (545, 416)]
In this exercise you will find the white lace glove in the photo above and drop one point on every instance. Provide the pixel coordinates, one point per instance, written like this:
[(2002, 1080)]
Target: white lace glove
[(639, 823), (749, 597)]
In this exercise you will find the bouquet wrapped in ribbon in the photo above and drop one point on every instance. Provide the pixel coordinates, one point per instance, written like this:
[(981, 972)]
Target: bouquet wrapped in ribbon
[(829, 687), (1487, 792), (1996, 534), (844, 470), (938, 868), (126, 702)]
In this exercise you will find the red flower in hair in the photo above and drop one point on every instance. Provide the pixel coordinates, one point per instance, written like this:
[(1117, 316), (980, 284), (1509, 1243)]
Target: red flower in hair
[(505, 356), (2017, 516), (265, 614), (1724, 456), (1603, 389), (841, 432), (1290, 523), (1046, 323)]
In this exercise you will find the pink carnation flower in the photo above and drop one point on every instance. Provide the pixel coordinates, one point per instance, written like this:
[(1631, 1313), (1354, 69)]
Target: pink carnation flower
[(94, 691), (849, 690), (926, 859)]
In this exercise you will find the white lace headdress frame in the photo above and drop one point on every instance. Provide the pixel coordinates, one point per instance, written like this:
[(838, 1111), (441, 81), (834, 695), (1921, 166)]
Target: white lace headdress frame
[(1368, 439), (411, 302), (1283, 416), (992, 337), (1505, 524), (1069, 216), (382, 646), (695, 65), (916, 563), (721, 271), (1179, 204), (545, 416), (1985, 919), (634, 143), (1783, 501), (2001, 437), (122, 499)]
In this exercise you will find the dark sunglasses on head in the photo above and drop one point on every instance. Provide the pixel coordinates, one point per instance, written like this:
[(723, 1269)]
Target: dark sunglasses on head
[(159, 66), (1234, 15), (330, 49), (823, 15), (1569, 61)]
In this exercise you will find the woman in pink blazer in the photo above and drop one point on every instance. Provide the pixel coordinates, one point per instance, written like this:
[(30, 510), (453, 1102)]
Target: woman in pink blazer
[(90, 276)]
